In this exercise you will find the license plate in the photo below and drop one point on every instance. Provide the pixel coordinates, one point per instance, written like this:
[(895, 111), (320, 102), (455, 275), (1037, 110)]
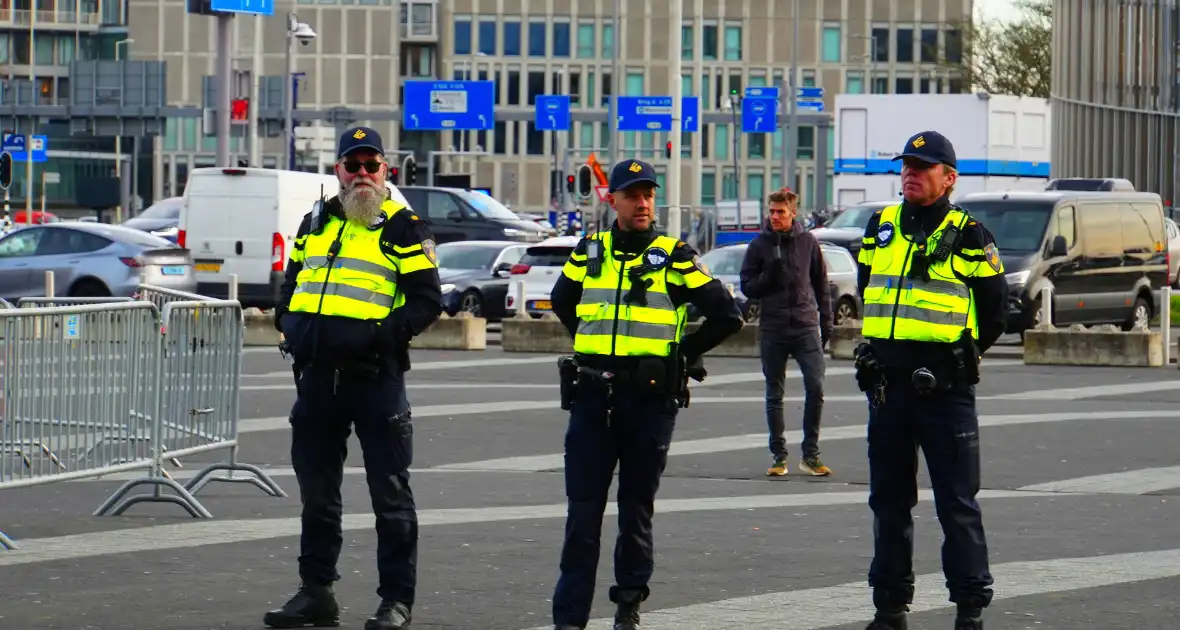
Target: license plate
[(208, 267), (541, 305)]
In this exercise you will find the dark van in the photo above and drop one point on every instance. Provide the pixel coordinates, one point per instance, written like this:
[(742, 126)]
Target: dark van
[(1105, 254), (455, 214)]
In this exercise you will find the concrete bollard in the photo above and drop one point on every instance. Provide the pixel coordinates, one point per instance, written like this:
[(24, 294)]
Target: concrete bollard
[(49, 288), (1047, 307), (1097, 346), (462, 332), (1166, 323), (845, 338)]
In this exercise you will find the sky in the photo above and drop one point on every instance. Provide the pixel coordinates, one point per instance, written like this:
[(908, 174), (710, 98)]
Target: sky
[(1001, 9)]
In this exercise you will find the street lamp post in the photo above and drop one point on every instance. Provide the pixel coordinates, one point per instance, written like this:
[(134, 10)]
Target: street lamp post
[(296, 30), (125, 204)]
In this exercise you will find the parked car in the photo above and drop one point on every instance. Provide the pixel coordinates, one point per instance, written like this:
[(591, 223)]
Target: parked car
[(474, 276), (1173, 252), (847, 229), (161, 218), (842, 272), (538, 271), (725, 264), (90, 259), (455, 214), (1104, 254)]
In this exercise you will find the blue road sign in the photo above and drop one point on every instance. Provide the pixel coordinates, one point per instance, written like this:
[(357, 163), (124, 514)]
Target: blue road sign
[(39, 146), (252, 7), (815, 106), (809, 92), (654, 113), (449, 105), (13, 142), (553, 113), (761, 92), (759, 114)]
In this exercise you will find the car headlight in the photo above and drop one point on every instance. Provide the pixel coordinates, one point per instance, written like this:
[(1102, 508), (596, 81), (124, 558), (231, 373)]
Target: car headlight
[(447, 288), (1017, 277)]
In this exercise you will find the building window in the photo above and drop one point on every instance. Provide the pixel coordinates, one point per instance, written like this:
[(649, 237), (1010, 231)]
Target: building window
[(854, 83), (662, 191), (904, 85), (722, 137), (905, 45), (608, 41), (756, 146), (585, 41), (487, 37), (755, 186), (808, 79), (733, 43), (880, 44), (561, 39), (634, 84), (806, 142), (831, 44), (728, 185), (686, 85), (955, 86), (514, 87), (536, 85), (511, 39), (880, 85), (708, 188), (929, 51), (537, 32), (686, 42), (709, 43), (954, 46), (462, 37), (586, 136)]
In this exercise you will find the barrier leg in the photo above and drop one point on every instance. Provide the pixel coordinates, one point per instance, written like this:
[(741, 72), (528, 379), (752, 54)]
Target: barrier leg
[(260, 479), (7, 542), (112, 506)]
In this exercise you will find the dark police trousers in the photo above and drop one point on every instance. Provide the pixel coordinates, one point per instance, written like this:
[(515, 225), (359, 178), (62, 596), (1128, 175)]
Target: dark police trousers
[(637, 438), (944, 424), (321, 422)]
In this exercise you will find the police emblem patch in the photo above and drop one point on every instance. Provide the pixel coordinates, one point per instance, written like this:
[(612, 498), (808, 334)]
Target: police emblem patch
[(992, 254), (429, 250), (884, 234), (701, 267), (655, 257)]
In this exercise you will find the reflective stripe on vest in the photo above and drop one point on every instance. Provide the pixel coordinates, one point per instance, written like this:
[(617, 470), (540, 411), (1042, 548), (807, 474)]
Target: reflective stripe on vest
[(609, 325), (361, 282), (897, 307)]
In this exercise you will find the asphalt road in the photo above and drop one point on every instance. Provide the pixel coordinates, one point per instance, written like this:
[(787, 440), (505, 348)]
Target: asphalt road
[(1081, 470)]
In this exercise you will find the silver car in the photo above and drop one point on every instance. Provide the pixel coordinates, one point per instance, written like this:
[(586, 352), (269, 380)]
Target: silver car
[(90, 259)]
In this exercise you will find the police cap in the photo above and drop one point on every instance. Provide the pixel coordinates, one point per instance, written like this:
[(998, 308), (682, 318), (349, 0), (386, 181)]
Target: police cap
[(359, 138), (630, 172), (930, 147)]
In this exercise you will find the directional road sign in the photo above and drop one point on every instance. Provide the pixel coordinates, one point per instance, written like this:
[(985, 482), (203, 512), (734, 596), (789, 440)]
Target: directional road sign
[(761, 92), (39, 146), (654, 113), (809, 92), (449, 105), (759, 114), (252, 7), (810, 98), (553, 113)]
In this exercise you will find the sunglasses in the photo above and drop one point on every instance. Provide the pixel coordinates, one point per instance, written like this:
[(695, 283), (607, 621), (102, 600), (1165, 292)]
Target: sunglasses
[(371, 166)]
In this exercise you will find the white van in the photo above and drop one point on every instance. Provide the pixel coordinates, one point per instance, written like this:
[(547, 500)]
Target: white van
[(243, 221)]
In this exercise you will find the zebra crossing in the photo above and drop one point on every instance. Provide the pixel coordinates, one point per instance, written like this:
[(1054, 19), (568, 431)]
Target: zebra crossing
[(1081, 478)]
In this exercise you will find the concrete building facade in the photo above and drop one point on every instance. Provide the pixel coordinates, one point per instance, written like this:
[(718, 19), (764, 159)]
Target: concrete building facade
[(1116, 92), (365, 48)]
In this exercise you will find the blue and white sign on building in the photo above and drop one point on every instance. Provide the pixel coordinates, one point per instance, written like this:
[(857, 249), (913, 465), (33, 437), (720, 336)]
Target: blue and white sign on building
[(39, 146), (654, 113), (449, 105), (553, 113), (810, 98), (251, 7), (759, 114)]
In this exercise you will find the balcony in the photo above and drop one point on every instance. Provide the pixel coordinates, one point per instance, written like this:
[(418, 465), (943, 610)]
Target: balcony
[(419, 21), (61, 19)]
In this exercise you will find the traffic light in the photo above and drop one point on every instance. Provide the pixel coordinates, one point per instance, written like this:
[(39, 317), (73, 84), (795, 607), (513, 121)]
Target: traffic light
[(668, 150), (5, 170), (569, 184), (239, 110), (409, 170), (585, 181)]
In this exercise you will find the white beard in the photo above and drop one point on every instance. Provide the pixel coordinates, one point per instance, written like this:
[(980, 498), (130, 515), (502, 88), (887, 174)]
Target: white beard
[(362, 204)]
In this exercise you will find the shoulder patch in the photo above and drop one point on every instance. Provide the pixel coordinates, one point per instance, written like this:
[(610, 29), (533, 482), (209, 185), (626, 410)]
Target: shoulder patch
[(413, 217), (884, 234), (701, 267), (992, 254), (429, 250)]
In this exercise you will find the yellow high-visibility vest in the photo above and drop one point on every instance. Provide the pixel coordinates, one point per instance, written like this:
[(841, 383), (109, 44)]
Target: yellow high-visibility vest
[(939, 309), (609, 325), (361, 282)]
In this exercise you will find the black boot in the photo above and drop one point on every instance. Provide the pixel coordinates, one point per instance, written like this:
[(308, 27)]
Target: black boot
[(889, 619), (390, 615), (567, 627), (314, 605), (627, 613), (969, 618)]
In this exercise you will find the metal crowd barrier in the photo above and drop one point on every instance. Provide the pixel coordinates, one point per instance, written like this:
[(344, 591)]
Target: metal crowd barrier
[(92, 389)]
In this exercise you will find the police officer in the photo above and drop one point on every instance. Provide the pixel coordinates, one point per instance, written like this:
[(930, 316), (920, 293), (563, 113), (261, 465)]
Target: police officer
[(935, 299), (623, 295), (362, 281)]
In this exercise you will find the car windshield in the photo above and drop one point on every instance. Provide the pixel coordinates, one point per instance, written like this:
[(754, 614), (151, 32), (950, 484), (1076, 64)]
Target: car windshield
[(854, 217), (166, 209), (725, 262), (458, 256), (487, 206), (132, 237), (546, 256), (1018, 226)]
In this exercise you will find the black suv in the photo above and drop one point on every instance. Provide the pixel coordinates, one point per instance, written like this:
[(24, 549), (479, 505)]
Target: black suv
[(455, 214)]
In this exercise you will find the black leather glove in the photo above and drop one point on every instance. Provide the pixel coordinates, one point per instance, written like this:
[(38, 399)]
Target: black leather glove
[(825, 335), (695, 369), (393, 340)]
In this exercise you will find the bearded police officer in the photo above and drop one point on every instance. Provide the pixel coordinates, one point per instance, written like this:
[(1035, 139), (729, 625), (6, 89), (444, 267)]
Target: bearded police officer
[(935, 299), (623, 295), (361, 283)]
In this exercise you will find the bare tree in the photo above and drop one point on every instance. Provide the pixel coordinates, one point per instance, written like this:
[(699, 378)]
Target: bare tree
[(1009, 57)]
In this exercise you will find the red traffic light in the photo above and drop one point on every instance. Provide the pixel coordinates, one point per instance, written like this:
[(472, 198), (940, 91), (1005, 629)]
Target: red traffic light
[(239, 110), (570, 179), (668, 149)]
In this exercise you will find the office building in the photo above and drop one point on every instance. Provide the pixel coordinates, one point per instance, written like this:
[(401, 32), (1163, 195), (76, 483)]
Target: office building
[(364, 49)]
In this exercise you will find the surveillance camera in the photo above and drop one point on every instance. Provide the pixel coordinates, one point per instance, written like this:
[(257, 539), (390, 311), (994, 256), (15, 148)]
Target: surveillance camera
[(304, 41)]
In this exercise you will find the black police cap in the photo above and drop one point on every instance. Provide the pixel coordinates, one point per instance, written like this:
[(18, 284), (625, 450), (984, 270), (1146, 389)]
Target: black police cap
[(930, 147)]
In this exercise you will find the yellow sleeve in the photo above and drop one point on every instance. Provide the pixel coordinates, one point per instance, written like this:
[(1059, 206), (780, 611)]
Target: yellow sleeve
[(575, 267), (978, 256), (690, 272), (413, 249)]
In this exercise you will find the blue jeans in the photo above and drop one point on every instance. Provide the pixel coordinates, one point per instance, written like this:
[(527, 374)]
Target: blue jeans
[(805, 348)]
